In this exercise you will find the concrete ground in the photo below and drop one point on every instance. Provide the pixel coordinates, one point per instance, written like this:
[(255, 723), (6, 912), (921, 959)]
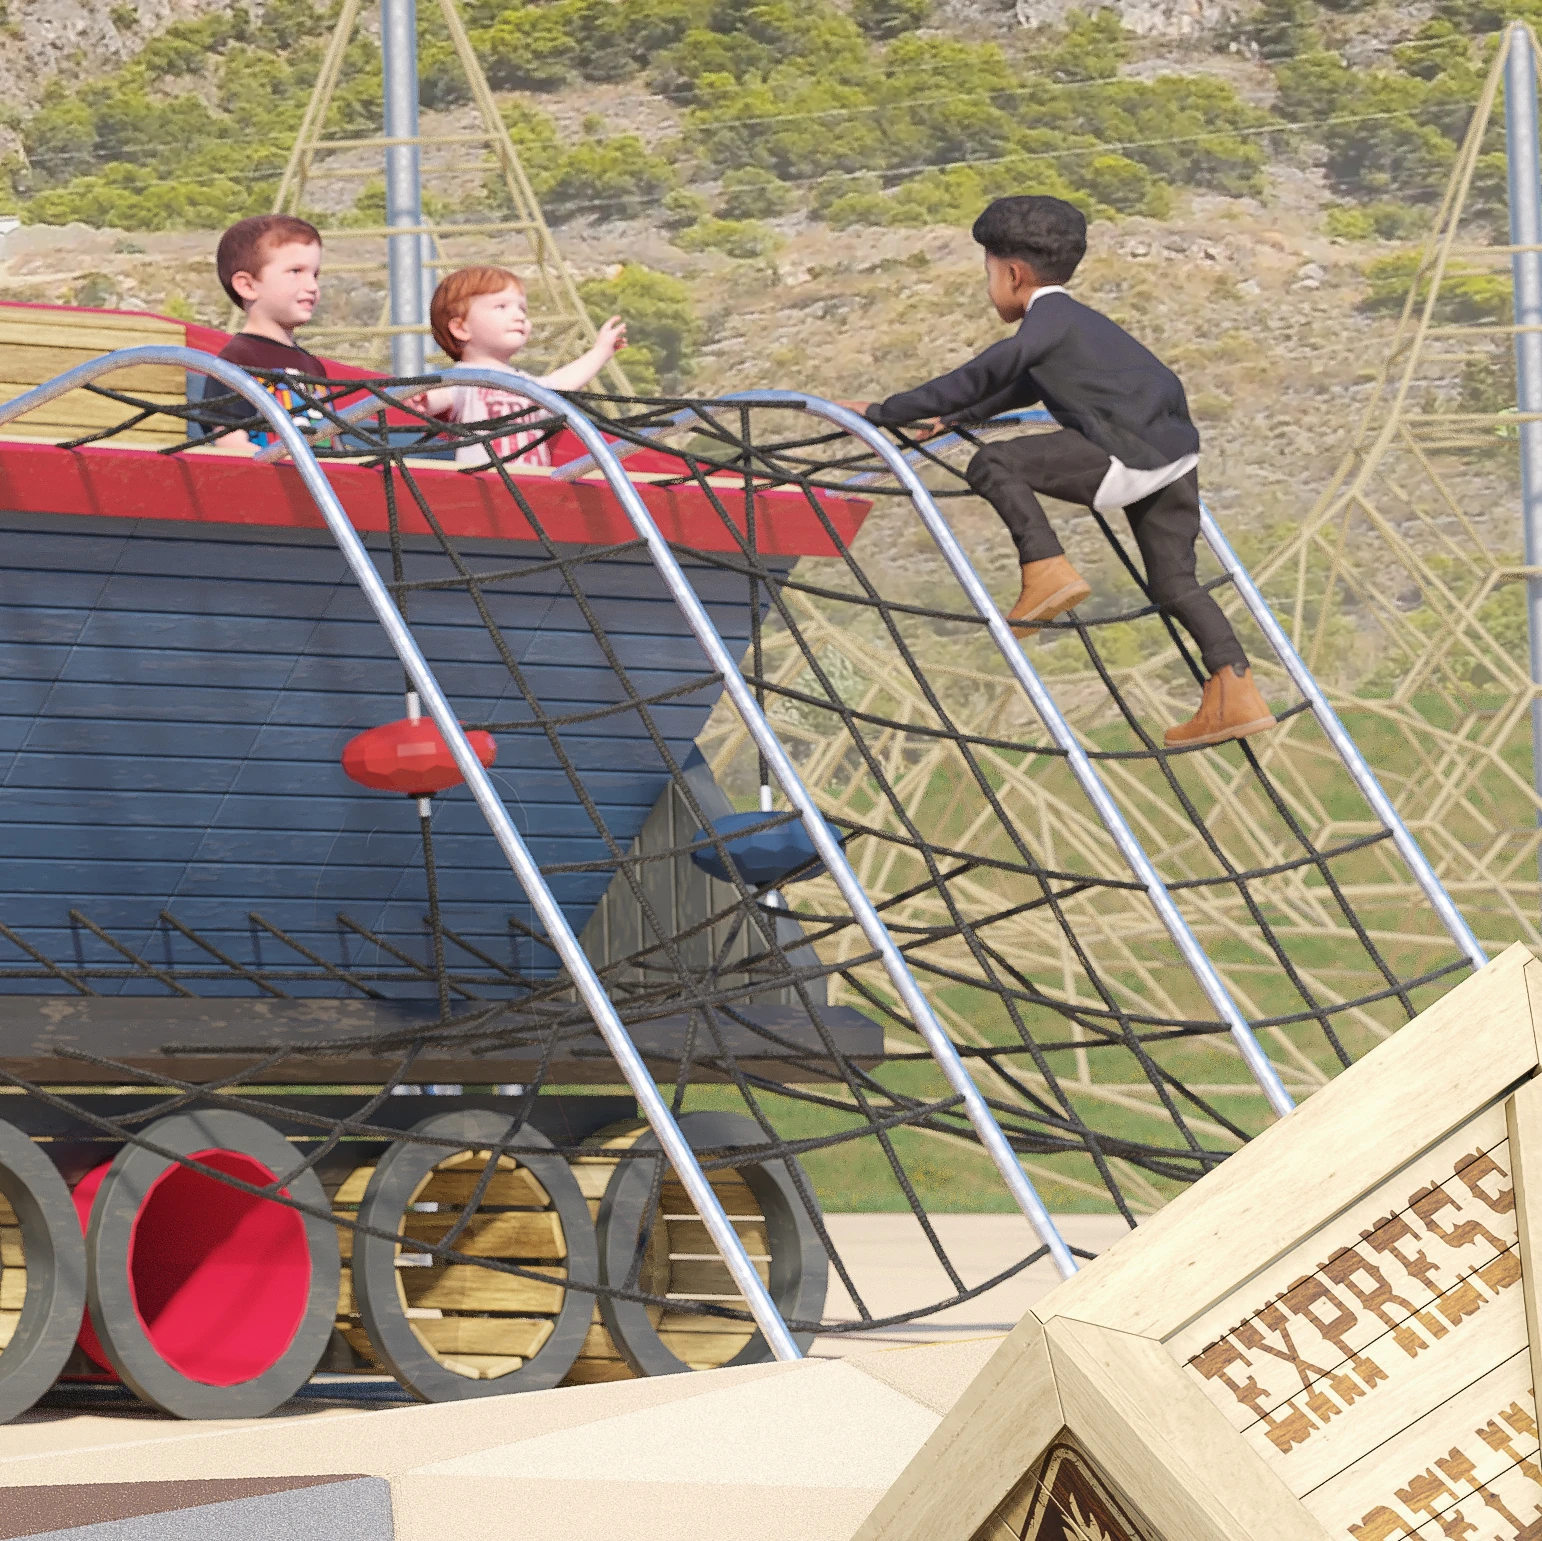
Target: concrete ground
[(778, 1452), (896, 1270), (775, 1451)]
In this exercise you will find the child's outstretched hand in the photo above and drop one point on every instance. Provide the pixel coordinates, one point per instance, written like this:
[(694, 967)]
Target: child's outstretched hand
[(611, 338), (926, 429)]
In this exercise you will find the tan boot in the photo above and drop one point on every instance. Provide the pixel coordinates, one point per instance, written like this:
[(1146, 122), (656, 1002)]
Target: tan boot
[(1231, 707), (1050, 588)]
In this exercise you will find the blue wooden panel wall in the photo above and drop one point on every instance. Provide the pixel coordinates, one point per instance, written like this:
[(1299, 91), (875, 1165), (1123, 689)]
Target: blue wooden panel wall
[(174, 702)]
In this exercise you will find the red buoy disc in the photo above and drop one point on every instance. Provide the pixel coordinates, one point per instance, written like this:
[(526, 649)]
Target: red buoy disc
[(411, 757)]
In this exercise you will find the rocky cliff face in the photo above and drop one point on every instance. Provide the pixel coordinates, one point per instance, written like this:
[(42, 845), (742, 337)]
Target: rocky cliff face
[(44, 38), (1144, 18)]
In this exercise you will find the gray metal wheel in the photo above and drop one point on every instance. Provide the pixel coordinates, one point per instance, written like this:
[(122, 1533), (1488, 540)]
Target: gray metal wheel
[(54, 1256), (799, 1269), (475, 1332), (210, 1302)]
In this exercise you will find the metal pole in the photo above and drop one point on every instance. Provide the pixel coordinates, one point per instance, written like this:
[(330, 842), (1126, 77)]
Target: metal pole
[(1526, 269), (655, 1108), (1338, 735), (1044, 704), (403, 179), (829, 848)]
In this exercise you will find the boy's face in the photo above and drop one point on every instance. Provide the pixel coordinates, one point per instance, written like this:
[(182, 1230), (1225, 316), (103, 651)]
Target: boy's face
[(1010, 283), (287, 287), (497, 323)]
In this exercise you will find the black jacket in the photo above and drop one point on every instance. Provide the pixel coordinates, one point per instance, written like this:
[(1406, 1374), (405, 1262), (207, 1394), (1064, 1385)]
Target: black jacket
[(1091, 375)]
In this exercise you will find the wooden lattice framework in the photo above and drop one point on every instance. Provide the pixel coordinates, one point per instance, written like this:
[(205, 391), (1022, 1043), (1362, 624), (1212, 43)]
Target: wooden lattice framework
[(559, 311), (1403, 547), (1400, 588)]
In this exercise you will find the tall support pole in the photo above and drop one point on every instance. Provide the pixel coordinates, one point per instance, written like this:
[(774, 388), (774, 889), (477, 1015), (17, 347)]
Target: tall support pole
[(1526, 268), (403, 179)]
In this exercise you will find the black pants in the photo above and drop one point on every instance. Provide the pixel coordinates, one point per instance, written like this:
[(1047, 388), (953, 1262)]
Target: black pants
[(1064, 465)]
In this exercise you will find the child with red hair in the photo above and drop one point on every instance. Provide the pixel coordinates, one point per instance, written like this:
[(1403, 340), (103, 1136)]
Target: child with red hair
[(479, 317)]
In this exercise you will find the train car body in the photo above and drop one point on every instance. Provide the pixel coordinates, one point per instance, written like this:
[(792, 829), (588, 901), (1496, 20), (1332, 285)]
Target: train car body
[(185, 656), (189, 878)]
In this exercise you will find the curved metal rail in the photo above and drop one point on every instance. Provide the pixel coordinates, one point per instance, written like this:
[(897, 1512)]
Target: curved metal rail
[(1059, 729), (757, 1297), (1360, 772), (1337, 734), (830, 851)]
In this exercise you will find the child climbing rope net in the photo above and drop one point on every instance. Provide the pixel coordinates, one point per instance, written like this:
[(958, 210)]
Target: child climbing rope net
[(1126, 442)]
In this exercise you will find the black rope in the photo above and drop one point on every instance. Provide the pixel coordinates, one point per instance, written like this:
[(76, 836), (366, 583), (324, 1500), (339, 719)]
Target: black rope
[(950, 893)]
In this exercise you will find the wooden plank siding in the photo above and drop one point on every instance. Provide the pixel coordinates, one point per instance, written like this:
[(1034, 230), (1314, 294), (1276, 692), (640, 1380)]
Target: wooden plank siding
[(174, 700), (682, 896), (37, 343)]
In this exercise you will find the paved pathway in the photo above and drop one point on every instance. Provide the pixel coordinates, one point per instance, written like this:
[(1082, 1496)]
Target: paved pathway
[(895, 1270)]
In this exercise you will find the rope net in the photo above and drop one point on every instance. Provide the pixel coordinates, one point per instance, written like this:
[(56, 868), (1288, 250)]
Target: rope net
[(1099, 1055)]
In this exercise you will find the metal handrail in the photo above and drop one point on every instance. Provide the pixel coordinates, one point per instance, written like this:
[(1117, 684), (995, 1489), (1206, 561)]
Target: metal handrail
[(674, 1144), (606, 458), (1337, 734), (1059, 729)]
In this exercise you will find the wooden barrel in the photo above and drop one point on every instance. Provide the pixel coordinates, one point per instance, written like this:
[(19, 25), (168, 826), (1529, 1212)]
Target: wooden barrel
[(474, 1321), (361, 1358), (628, 1338), (450, 1330)]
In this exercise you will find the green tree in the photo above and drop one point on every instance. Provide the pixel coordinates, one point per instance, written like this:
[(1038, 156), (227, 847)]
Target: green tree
[(607, 178), (1126, 185), (682, 207), (441, 80), (1093, 48), (888, 18), (129, 148), (528, 48), (1185, 129), (743, 238), (60, 138), (1436, 48), (286, 22), (1386, 133), (138, 198), (185, 46), (750, 193), (663, 330), (1466, 294), (1281, 29)]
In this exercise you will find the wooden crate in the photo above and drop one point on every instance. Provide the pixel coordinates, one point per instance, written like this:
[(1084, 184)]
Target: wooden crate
[(1335, 1334), (36, 344)]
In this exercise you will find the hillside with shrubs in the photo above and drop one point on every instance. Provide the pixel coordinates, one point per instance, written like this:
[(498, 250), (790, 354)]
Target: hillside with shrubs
[(859, 115), (779, 191)]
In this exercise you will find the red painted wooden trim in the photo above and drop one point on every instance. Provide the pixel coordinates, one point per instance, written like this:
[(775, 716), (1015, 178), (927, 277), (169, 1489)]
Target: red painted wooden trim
[(210, 487), (119, 482)]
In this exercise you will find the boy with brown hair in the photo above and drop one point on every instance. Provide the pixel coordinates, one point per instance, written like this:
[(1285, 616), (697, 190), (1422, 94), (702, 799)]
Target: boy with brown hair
[(270, 266), (1126, 441)]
